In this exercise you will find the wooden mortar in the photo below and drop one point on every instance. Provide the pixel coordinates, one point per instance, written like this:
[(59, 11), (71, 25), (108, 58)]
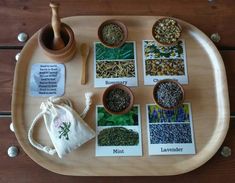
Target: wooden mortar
[(45, 40)]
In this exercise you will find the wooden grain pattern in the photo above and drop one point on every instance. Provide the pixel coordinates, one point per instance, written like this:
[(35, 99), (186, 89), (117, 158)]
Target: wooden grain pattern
[(229, 60), (23, 170), (20, 15), (28, 16), (7, 67), (202, 59)]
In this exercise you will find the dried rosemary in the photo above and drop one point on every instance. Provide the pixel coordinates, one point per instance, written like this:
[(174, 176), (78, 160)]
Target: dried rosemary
[(112, 34), (115, 69)]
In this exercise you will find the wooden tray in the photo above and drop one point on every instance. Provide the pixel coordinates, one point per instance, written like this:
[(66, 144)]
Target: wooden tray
[(207, 92)]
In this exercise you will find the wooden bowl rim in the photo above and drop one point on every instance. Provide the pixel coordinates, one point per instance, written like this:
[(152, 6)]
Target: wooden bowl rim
[(162, 43), (126, 89), (165, 81), (116, 22), (65, 28)]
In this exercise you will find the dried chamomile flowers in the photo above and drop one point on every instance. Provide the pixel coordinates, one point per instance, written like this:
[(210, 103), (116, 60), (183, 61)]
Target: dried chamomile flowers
[(166, 31)]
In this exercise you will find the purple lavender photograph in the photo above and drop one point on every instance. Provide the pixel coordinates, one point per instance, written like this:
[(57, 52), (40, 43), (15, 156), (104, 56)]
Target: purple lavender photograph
[(158, 115)]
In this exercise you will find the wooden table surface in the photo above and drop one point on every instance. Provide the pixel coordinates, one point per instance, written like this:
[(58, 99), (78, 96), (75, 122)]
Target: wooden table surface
[(210, 16)]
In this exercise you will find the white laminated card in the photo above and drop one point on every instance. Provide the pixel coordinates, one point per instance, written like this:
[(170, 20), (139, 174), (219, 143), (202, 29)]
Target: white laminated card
[(164, 62), (170, 131), (108, 130), (115, 65), (47, 80)]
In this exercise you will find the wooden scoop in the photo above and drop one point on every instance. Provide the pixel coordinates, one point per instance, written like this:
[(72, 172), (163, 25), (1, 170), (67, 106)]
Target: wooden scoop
[(84, 52), (58, 42)]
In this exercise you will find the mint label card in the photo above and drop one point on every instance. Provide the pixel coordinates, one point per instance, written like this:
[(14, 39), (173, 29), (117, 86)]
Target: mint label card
[(164, 62), (115, 65), (118, 135), (170, 131), (47, 80)]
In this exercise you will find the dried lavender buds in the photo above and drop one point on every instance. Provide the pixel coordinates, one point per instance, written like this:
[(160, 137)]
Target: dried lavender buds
[(166, 31), (168, 94), (112, 34), (170, 133), (117, 100)]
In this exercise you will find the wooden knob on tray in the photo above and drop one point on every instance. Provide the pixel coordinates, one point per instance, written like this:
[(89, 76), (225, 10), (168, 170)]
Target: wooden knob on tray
[(58, 42)]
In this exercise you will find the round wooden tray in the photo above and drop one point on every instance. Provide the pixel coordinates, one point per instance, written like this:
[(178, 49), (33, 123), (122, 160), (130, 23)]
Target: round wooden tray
[(207, 92)]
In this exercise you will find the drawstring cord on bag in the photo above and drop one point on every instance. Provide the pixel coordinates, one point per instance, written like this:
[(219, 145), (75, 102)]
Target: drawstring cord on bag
[(47, 106), (38, 146), (88, 104)]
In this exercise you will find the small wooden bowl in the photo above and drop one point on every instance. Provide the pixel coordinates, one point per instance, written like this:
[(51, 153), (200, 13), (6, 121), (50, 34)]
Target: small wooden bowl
[(45, 40), (119, 24), (156, 87), (160, 43), (122, 87)]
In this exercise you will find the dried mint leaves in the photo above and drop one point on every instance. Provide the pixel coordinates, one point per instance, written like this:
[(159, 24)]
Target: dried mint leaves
[(118, 136)]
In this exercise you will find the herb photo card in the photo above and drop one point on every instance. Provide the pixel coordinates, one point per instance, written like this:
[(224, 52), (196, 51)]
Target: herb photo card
[(115, 65), (164, 62), (170, 131), (118, 135)]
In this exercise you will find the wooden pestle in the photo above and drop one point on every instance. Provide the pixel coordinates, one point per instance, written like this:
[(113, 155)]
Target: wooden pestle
[(58, 42)]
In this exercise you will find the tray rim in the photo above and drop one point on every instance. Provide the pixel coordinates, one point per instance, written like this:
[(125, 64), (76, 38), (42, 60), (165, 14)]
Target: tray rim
[(223, 90)]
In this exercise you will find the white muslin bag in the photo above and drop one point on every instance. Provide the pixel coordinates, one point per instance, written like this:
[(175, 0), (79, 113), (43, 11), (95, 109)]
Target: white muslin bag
[(67, 129)]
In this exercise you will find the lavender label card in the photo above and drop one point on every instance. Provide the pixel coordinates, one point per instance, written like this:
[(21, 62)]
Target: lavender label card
[(164, 62), (118, 135), (47, 80), (170, 132), (115, 65)]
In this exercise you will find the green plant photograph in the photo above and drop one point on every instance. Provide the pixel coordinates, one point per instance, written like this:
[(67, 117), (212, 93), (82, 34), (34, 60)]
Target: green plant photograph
[(125, 52), (128, 119)]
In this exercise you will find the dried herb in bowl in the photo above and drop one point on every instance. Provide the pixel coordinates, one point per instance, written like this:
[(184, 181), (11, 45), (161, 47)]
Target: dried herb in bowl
[(118, 100), (168, 94), (112, 34), (166, 31)]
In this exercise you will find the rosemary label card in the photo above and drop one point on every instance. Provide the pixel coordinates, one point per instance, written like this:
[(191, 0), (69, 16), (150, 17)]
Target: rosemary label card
[(115, 65), (47, 80), (118, 135), (164, 62), (170, 131)]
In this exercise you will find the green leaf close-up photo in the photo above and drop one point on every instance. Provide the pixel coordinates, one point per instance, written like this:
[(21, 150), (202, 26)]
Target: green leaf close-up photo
[(128, 119), (125, 52)]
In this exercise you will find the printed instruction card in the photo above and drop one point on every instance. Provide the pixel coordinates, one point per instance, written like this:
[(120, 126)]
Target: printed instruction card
[(115, 65), (118, 135), (47, 80), (170, 132), (164, 62)]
